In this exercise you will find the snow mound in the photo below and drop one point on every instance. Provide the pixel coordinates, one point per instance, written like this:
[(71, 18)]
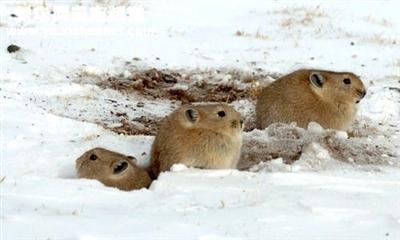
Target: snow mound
[(315, 148)]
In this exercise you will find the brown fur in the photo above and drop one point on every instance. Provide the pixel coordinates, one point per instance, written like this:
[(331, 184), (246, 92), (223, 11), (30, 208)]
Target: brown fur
[(100, 163), (208, 141), (295, 98)]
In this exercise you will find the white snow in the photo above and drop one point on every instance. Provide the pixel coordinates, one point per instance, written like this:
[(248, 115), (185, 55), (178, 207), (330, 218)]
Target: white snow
[(48, 119)]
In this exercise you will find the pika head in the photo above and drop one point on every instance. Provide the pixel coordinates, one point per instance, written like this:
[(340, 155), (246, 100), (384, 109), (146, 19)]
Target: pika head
[(112, 169), (337, 86), (219, 118)]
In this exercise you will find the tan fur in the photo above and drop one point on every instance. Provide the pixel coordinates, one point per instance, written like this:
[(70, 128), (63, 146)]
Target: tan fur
[(102, 169), (211, 141), (294, 98)]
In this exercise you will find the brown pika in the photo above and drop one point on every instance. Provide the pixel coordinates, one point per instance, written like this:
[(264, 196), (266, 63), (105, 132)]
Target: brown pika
[(308, 95), (112, 169), (202, 136)]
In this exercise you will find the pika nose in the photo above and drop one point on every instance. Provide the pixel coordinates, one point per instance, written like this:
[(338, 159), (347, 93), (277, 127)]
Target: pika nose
[(362, 93), (234, 123)]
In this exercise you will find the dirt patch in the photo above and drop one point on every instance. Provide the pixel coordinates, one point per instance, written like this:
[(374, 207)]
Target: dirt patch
[(257, 35), (289, 142), (359, 151), (277, 141), (138, 126), (187, 86), (255, 151)]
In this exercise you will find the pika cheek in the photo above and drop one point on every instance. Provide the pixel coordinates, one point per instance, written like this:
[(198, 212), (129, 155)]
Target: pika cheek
[(78, 165)]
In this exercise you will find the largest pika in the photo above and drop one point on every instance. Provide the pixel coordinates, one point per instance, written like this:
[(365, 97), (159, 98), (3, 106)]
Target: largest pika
[(203, 136), (307, 95)]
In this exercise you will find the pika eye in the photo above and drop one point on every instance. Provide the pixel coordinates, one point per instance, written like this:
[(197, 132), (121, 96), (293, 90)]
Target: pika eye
[(221, 114), (93, 157), (346, 81)]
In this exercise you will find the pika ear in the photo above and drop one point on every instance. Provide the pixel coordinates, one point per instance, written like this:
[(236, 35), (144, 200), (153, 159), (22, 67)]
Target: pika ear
[(192, 115), (317, 79)]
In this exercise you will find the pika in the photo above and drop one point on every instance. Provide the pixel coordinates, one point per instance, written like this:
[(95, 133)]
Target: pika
[(112, 169), (307, 95), (202, 136)]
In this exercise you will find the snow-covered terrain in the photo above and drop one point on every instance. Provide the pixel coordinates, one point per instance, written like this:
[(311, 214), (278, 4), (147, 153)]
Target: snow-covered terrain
[(53, 109)]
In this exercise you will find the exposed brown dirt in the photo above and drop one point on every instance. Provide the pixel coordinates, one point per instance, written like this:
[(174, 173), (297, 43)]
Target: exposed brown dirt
[(280, 141), (139, 126), (188, 86), (288, 142), (255, 151), (358, 151)]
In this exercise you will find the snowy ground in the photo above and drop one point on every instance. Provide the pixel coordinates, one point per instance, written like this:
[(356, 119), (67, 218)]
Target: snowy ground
[(48, 119)]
